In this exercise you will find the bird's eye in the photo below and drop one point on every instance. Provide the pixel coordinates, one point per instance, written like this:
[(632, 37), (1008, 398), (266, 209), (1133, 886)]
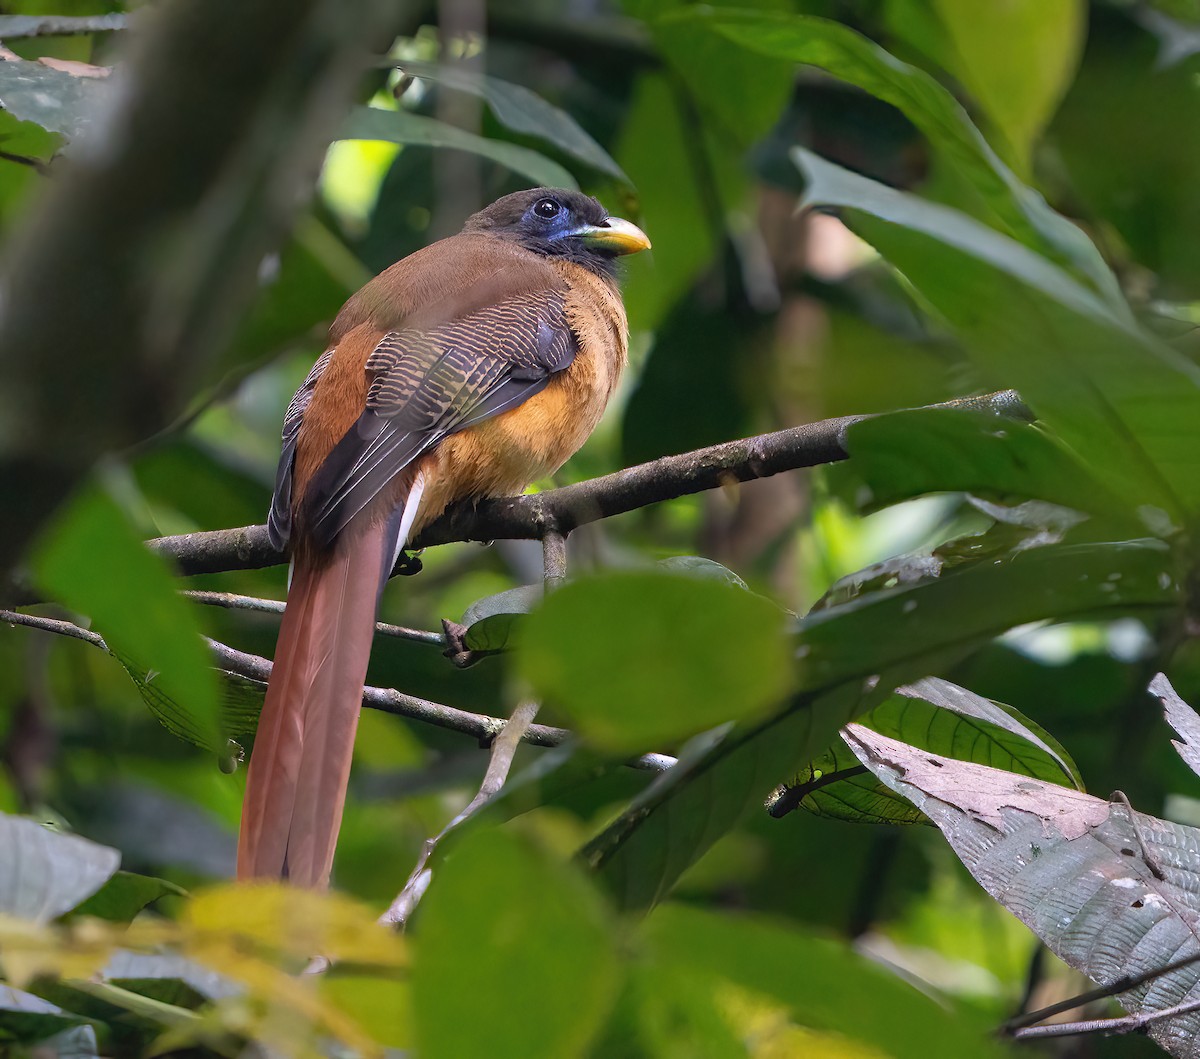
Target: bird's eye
[(546, 208)]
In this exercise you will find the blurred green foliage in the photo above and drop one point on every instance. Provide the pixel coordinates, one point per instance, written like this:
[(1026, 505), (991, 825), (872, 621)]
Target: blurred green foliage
[(1014, 187)]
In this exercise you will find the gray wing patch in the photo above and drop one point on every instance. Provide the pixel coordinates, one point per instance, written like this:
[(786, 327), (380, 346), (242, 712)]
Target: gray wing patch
[(279, 520), (426, 385)]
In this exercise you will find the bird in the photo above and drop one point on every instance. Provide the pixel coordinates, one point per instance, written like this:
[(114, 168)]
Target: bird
[(468, 369)]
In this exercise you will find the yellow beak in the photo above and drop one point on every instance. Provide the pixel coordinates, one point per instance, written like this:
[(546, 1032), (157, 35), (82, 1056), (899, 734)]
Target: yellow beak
[(615, 235)]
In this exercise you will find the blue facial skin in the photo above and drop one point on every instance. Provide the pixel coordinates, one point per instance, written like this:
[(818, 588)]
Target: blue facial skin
[(554, 227)]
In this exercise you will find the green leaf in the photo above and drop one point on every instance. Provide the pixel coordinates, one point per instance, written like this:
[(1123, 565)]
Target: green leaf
[(718, 779), (125, 894), (1017, 209), (744, 93), (848, 653), (529, 970), (57, 101), (1123, 401), (907, 454), (93, 562), (935, 715), (492, 621), (399, 126), (26, 1019), (698, 566), (637, 660), (911, 625), (44, 873), (1016, 59), (821, 981), (523, 111)]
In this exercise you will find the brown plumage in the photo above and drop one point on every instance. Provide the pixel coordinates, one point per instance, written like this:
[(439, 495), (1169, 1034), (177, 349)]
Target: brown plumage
[(468, 369)]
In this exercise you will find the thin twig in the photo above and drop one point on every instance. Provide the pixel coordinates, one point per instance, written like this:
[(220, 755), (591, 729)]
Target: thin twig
[(233, 601), (563, 510), (59, 628), (388, 700), (504, 748), (1121, 985), (1126, 1024), (1150, 859)]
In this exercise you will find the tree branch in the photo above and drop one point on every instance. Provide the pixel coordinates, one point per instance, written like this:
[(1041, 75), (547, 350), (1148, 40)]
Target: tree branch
[(17, 27), (560, 511), (479, 725), (233, 601)]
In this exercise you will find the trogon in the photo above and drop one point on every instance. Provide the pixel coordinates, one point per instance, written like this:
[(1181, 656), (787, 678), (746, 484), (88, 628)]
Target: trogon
[(468, 369)]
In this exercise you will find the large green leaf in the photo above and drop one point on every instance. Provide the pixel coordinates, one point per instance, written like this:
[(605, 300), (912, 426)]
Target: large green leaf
[(638, 660), (537, 942), (44, 873), (1006, 201), (743, 93), (414, 130), (716, 781), (819, 981), (1112, 893), (1123, 401), (849, 655), (1016, 59), (523, 111), (906, 454), (92, 561)]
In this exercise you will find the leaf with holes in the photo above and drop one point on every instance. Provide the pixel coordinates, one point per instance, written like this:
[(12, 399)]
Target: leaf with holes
[(936, 715), (1113, 897)]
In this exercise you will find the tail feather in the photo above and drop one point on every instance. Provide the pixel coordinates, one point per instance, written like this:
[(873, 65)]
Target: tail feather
[(296, 786)]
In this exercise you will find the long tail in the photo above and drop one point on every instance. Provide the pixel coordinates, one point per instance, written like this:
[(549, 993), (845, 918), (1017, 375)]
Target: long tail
[(296, 786)]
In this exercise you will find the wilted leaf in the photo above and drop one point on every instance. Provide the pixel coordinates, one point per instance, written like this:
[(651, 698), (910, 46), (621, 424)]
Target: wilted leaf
[(1071, 867), (935, 715), (53, 99), (44, 873), (1182, 718)]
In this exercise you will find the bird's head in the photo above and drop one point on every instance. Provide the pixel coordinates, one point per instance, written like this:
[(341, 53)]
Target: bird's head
[(561, 223)]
